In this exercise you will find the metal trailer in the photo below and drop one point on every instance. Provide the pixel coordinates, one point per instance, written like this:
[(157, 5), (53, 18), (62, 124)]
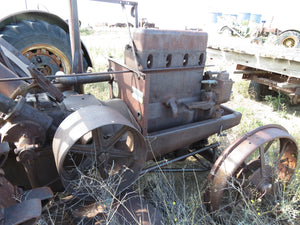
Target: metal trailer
[(269, 68), (55, 138)]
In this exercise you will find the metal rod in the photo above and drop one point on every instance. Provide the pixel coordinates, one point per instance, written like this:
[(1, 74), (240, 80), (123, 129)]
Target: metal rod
[(65, 75), (134, 4), (178, 158), (250, 72), (174, 69), (136, 16), (179, 170), (139, 73), (118, 2), (77, 65)]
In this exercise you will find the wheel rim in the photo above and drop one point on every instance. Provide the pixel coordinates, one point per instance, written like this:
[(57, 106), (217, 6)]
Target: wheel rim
[(289, 42), (48, 59), (99, 148), (257, 163)]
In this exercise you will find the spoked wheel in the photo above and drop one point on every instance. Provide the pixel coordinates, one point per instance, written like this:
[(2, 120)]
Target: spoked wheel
[(98, 151), (254, 166)]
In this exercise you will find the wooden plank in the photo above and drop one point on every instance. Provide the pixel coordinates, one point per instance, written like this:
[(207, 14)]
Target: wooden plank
[(288, 67)]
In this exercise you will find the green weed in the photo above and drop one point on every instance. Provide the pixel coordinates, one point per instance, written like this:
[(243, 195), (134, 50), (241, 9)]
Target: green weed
[(278, 103)]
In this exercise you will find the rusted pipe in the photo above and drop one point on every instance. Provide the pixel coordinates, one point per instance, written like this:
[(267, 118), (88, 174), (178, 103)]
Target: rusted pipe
[(83, 79)]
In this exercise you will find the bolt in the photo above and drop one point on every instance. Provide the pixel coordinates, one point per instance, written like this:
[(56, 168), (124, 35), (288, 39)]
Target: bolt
[(38, 59)]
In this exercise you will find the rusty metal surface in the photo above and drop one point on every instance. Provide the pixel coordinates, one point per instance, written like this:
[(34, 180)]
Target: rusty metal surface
[(173, 115), (136, 210), (41, 193), (170, 52), (13, 209), (134, 93), (234, 156), (165, 141), (102, 138), (27, 211), (7, 192)]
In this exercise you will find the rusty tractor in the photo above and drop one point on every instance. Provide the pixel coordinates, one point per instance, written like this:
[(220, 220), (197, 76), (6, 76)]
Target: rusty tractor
[(54, 137)]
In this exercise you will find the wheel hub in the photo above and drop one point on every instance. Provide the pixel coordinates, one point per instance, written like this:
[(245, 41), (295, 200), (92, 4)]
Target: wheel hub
[(47, 59), (289, 42), (262, 181)]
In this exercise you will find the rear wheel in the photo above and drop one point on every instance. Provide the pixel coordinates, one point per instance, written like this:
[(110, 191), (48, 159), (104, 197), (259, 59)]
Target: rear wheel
[(45, 45)]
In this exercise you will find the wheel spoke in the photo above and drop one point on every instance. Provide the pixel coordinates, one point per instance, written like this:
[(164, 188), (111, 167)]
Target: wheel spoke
[(82, 149), (114, 139), (114, 152), (98, 140), (282, 151), (262, 162), (85, 164), (268, 145), (280, 154)]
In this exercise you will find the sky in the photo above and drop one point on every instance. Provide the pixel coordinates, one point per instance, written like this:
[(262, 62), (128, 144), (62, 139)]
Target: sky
[(172, 14)]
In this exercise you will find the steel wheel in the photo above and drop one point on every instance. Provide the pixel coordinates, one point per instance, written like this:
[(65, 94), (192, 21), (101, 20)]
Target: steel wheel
[(253, 166), (96, 148)]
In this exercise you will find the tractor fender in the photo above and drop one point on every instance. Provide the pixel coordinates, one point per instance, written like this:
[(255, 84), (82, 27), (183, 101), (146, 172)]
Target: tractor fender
[(38, 15), (298, 31)]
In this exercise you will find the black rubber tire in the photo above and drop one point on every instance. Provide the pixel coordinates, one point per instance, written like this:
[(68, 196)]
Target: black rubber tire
[(226, 31), (289, 39), (28, 36), (258, 91)]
